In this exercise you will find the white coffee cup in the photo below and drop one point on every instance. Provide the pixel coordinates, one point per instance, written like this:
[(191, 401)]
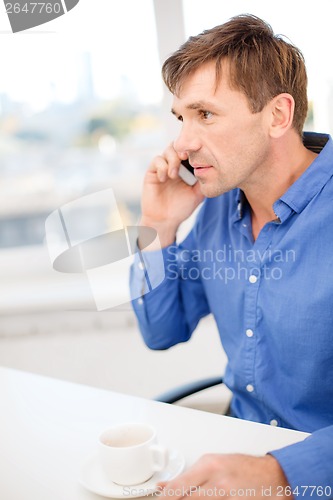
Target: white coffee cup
[(129, 453)]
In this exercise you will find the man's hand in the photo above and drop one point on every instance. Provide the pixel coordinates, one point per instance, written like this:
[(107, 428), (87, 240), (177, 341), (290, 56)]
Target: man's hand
[(234, 476), (166, 199)]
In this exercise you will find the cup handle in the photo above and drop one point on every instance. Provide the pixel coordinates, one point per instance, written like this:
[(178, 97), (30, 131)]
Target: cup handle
[(160, 457)]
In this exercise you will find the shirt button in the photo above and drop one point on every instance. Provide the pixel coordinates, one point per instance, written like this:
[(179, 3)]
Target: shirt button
[(140, 301), (140, 265), (249, 332), (244, 225), (274, 422), (253, 278), (249, 388)]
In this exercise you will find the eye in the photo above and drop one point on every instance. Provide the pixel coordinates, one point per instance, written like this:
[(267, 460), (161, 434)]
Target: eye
[(206, 115)]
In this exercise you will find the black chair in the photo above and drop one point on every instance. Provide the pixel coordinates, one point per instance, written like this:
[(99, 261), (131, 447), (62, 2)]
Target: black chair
[(178, 393)]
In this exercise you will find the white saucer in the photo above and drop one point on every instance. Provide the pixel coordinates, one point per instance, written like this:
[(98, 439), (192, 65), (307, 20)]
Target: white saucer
[(93, 479)]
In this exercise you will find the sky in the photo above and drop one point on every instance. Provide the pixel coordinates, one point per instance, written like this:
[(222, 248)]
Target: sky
[(46, 62)]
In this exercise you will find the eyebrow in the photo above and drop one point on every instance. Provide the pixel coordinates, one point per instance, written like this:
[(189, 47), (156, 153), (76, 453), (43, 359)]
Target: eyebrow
[(196, 105)]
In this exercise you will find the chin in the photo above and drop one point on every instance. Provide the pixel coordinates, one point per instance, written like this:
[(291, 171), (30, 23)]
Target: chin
[(211, 191)]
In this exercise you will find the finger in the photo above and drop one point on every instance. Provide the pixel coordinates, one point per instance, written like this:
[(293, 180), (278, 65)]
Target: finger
[(197, 191), (159, 166), (173, 160), (182, 155), (181, 492), (186, 484)]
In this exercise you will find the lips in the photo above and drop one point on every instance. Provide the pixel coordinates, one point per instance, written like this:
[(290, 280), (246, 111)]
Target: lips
[(200, 169), (199, 165)]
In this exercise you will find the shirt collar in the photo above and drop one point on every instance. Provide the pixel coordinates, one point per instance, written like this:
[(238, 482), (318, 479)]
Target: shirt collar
[(301, 192), (307, 185)]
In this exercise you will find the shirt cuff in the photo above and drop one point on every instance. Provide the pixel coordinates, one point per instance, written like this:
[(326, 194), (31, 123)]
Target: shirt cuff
[(149, 270), (308, 465)]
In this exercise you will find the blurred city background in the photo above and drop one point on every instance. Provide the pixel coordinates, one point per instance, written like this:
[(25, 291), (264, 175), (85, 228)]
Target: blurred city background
[(82, 109)]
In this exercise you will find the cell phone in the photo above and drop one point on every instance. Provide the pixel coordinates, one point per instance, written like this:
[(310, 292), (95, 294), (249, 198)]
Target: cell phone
[(186, 173)]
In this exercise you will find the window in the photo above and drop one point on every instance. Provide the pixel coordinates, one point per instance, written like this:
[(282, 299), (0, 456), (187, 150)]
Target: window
[(80, 113), (82, 109)]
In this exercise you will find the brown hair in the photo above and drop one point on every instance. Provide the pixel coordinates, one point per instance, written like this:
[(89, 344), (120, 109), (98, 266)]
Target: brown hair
[(262, 65)]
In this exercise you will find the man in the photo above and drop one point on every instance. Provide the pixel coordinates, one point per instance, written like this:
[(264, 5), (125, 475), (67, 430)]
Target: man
[(240, 95)]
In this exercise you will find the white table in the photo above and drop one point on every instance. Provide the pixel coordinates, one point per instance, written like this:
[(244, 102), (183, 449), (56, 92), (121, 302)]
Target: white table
[(49, 427)]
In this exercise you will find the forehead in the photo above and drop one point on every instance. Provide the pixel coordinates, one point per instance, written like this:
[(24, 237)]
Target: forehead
[(203, 78), (203, 85)]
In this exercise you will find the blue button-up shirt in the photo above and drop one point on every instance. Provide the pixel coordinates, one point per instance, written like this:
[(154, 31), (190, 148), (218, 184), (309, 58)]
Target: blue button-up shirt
[(272, 300)]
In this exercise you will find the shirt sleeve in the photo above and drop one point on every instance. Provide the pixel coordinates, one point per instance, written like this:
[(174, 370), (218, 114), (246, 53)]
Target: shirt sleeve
[(308, 465), (169, 312)]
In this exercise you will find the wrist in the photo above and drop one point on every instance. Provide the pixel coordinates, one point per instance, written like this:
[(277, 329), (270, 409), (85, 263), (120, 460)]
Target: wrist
[(274, 470), (166, 234)]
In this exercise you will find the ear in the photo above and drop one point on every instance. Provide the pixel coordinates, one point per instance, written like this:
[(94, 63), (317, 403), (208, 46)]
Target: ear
[(282, 109)]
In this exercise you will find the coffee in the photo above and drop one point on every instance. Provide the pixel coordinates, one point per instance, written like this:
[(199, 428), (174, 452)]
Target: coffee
[(129, 453)]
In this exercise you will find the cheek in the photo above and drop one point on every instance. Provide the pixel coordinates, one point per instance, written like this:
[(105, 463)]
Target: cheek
[(250, 137), (235, 139)]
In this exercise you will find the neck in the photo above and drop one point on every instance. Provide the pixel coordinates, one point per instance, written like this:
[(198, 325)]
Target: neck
[(286, 163)]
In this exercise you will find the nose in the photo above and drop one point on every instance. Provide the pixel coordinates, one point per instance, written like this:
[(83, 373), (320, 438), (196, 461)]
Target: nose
[(187, 141)]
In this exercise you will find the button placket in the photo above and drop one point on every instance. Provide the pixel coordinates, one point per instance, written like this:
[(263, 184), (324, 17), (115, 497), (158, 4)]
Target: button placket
[(254, 281)]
